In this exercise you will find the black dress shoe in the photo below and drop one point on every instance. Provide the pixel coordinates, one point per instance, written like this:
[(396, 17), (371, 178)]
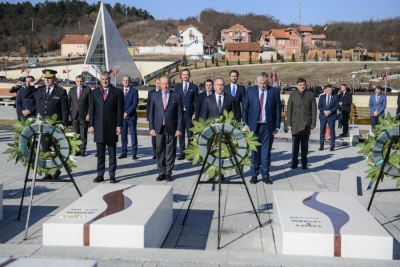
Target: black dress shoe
[(47, 177), (332, 149), (154, 157), (134, 157), (98, 179), (267, 181), (181, 157), (95, 155), (83, 153), (56, 174), (321, 148), (78, 153), (113, 180), (304, 167), (293, 166), (161, 177), (168, 178), (253, 180), (122, 156)]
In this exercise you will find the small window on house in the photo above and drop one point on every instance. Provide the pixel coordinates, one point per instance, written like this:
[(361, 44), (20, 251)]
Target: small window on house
[(293, 42), (230, 33), (243, 34), (236, 53), (190, 32), (237, 34)]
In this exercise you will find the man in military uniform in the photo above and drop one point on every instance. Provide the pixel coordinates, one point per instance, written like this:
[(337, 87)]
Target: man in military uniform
[(50, 99)]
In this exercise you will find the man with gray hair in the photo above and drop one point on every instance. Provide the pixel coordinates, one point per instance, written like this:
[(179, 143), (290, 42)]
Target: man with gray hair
[(262, 114), (106, 115)]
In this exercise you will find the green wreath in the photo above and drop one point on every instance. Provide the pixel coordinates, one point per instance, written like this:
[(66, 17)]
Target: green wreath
[(23, 132), (376, 146), (242, 139)]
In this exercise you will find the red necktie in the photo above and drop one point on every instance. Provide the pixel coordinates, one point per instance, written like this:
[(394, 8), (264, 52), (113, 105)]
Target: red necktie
[(79, 93), (165, 105), (261, 106), (126, 91), (105, 94)]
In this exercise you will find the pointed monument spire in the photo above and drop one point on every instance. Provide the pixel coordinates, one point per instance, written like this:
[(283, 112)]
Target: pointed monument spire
[(108, 50)]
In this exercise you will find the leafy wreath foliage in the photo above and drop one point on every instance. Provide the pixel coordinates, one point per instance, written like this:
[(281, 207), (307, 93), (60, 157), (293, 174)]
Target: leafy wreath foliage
[(394, 158), (15, 153), (192, 151)]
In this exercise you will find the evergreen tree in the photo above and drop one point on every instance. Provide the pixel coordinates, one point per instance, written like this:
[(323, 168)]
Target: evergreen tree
[(398, 57), (374, 59), (216, 63), (212, 59), (387, 58), (327, 57), (169, 70), (316, 56), (177, 68), (304, 57), (195, 65), (173, 81), (351, 58), (362, 58), (250, 61), (260, 60), (249, 83), (163, 72), (183, 61), (272, 58), (205, 64), (282, 58), (339, 58), (227, 62), (293, 58), (238, 61)]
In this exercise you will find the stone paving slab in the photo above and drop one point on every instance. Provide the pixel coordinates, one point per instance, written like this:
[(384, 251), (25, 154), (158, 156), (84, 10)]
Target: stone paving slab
[(243, 242)]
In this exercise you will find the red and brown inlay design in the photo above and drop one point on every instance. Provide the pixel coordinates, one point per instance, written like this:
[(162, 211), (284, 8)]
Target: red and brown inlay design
[(337, 216), (116, 201)]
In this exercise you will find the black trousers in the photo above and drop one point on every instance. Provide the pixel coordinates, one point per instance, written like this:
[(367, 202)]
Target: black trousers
[(300, 140), (374, 121), (345, 121), (153, 143), (187, 124), (80, 126), (166, 152), (101, 159)]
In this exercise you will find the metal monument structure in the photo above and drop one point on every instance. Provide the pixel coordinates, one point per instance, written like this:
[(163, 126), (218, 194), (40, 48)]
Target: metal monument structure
[(108, 50)]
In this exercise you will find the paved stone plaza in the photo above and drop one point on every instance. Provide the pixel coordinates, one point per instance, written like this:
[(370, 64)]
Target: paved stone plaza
[(243, 242)]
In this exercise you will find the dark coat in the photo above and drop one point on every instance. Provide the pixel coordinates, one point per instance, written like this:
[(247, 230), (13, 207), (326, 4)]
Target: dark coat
[(333, 107), (56, 104), (149, 95), (131, 101), (239, 97), (251, 108), (200, 103), (346, 100), (106, 115), (210, 106), (83, 103), (25, 103), (189, 101), (301, 112), (173, 113)]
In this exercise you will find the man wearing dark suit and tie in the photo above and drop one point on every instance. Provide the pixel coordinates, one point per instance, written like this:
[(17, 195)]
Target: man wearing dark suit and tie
[(79, 101), (215, 104), (345, 100), (262, 114), (237, 91), (188, 92), (50, 99), (26, 107), (149, 95), (200, 100), (328, 105), (377, 106), (165, 123), (106, 115), (131, 100)]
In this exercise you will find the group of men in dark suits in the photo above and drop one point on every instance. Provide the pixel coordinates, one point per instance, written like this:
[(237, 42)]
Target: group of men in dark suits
[(26, 107)]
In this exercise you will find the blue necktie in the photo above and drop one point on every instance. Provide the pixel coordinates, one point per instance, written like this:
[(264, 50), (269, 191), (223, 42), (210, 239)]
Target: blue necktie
[(233, 91), (219, 105)]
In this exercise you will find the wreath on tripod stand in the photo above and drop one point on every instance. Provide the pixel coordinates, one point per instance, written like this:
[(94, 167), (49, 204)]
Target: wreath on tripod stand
[(376, 146), (242, 139), (67, 143)]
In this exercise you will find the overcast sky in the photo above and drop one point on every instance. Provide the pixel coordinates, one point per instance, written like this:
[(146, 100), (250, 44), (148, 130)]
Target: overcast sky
[(286, 11)]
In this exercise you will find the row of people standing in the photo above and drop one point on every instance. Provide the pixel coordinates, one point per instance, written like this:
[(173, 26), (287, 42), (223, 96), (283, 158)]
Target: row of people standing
[(170, 114)]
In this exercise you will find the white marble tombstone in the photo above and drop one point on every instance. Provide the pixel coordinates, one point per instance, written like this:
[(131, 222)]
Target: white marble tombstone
[(327, 224), (111, 215)]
